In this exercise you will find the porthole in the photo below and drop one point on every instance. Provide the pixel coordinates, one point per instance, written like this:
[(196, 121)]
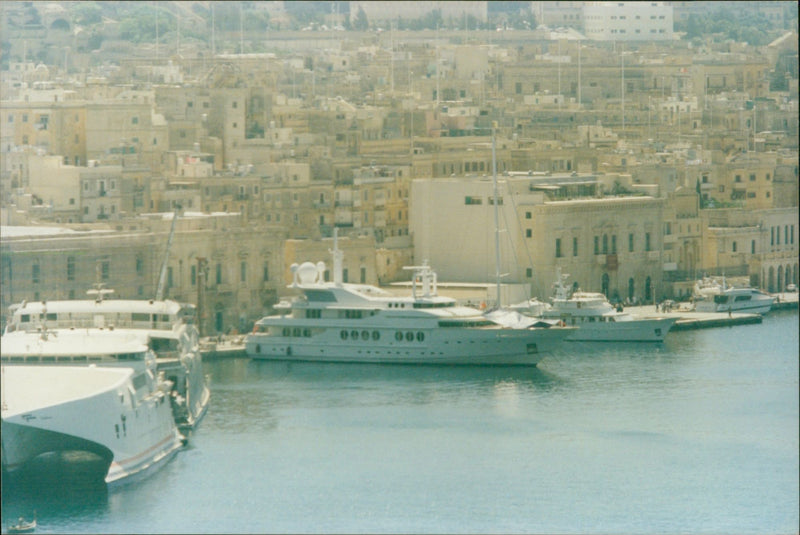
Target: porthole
[(365, 335), (420, 336), (354, 334), (343, 334), (296, 331), (376, 335), (398, 336), (410, 336)]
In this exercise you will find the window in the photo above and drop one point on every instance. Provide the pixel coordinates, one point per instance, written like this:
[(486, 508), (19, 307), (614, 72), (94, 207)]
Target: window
[(613, 244), (574, 246), (529, 273), (527, 215), (105, 270), (265, 272), (752, 177), (193, 275), (134, 120), (472, 200), (169, 277), (139, 265), (646, 241), (70, 268), (219, 273), (35, 273), (630, 243), (528, 233), (596, 245), (737, 178), (605, 243), (243, 272), (558, 248), (733, 247), (753, 247)]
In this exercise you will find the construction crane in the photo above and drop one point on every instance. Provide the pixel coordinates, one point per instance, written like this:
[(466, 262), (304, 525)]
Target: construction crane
[(163, 276)]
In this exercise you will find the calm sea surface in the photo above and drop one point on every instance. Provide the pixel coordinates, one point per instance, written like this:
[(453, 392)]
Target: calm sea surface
[(698, 435)]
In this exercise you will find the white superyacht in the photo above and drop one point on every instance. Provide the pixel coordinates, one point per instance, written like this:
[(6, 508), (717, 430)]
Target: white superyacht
[(167, 327), (344, 322), (86, 393), (597, 319)]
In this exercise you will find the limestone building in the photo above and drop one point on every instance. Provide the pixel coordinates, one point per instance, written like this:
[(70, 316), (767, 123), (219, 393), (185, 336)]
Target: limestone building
[(607, 244)]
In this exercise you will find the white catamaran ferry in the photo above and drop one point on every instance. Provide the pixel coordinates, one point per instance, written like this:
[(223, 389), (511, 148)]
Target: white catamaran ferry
[(165, 326), (344, 322), (85, 393)]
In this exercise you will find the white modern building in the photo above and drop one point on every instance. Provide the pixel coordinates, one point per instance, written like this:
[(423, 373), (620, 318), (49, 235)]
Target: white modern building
[(627, 21)]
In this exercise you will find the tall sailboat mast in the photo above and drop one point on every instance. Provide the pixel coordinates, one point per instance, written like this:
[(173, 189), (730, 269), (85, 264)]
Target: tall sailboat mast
[(496, 214)]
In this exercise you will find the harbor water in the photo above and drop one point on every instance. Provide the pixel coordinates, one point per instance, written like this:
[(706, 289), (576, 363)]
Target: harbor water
[(696, 435)]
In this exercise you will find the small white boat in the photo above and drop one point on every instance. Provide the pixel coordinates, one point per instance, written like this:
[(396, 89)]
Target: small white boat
[(23, 526), (597, 319), (712, 296)]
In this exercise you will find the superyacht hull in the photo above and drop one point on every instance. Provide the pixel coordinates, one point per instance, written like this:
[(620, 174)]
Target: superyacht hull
[(495, 346), (46, 411)]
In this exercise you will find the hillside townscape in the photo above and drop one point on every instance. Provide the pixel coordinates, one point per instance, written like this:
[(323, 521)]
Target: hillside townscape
[(637, 146)]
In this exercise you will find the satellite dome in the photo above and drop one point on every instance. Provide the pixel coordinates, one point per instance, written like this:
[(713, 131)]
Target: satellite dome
[(306, 273)]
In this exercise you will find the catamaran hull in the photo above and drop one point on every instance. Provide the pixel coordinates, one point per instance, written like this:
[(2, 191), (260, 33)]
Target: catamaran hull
[(67, 409), (437, 346)]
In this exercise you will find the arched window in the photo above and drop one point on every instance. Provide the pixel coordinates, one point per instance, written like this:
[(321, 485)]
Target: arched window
[(605, 282)]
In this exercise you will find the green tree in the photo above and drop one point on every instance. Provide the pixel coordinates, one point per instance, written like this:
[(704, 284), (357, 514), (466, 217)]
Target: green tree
[(361, 23), (86, 13)]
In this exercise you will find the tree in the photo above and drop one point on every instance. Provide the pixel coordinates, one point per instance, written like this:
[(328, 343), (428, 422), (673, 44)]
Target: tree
[(361, 23)]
